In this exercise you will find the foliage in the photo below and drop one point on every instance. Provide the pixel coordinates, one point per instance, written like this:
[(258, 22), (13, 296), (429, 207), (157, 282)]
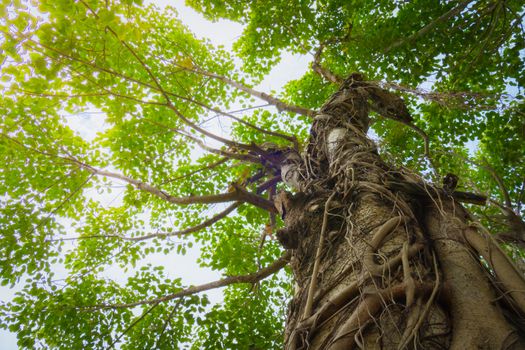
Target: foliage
[(459, 65)]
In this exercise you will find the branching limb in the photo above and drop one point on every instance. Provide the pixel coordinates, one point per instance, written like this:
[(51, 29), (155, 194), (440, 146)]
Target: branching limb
[(249, 278)]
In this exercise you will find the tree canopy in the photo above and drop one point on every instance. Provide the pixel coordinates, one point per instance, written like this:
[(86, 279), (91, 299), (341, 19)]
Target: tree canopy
[(458, 65)]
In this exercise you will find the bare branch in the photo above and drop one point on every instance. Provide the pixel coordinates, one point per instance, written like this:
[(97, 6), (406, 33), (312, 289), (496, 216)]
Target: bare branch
[(249, 278)]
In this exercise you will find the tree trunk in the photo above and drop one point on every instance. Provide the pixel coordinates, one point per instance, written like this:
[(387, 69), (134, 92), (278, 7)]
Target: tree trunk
[(378, 268)]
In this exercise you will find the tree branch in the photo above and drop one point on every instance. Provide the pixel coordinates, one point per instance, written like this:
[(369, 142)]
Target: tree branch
[(249, 278)]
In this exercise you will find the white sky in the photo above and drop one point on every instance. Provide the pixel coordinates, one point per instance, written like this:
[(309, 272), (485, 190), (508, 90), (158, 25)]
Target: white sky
[(88, 124)]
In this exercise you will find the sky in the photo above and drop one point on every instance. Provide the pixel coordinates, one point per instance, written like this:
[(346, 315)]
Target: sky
[(88, 123)]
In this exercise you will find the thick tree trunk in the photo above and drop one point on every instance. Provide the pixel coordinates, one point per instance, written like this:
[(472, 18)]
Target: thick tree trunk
[(377, 268)]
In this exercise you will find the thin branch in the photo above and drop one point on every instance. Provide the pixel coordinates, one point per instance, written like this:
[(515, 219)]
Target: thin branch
[(423, 31), (279, 104), (426, 143), (249, 278), (168, 319), (206, 199), (207, 167), (140, 318), (179, 233), (292, 138), (493, 173), (188, 230), (201, 144)]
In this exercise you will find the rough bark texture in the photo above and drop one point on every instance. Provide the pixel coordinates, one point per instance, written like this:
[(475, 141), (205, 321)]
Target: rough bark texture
[(379, 268)]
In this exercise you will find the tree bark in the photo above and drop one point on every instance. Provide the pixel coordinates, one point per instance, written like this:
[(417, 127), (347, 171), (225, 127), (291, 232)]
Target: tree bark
[(377, 268)]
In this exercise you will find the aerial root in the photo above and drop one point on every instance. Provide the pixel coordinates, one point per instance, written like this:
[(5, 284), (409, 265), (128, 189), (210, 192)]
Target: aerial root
[(414, 315), (408, 279), (317, 262), (420, 314), (377, 239), (345, 297), (368, 308), (511, 281)]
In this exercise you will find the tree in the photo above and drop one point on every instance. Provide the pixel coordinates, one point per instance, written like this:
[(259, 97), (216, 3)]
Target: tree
[(380, 249)]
